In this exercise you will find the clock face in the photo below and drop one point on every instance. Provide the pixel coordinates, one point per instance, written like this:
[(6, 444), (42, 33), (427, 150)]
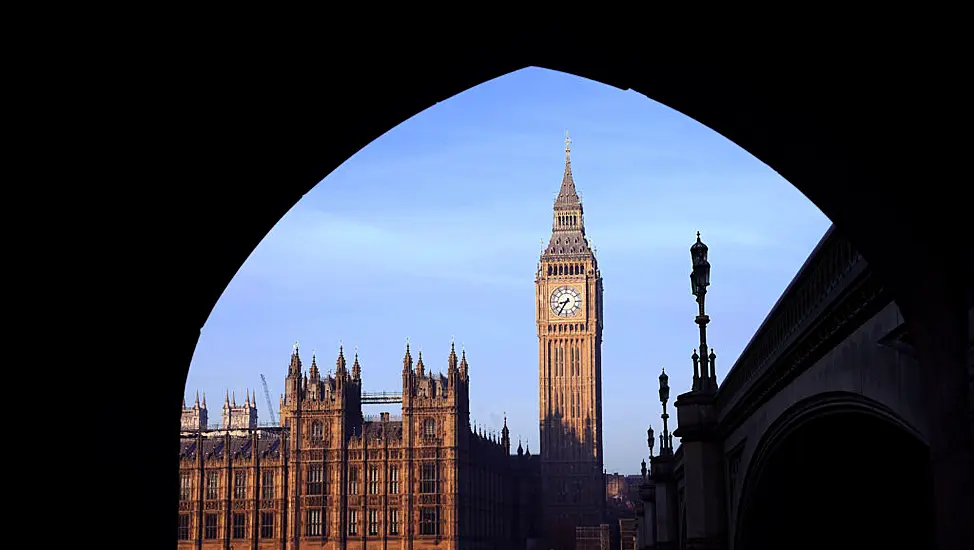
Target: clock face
[(566, 301)]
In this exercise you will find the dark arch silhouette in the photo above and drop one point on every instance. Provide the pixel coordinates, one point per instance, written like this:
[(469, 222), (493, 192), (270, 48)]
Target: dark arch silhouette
[(213, 141), (837, 470)]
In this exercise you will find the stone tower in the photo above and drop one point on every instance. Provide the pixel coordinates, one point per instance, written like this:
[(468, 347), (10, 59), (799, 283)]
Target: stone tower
[(194, 418), (568, 294), (239, 417)]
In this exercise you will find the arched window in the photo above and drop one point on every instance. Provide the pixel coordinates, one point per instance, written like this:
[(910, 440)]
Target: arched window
[(429, 428), (316, 431)]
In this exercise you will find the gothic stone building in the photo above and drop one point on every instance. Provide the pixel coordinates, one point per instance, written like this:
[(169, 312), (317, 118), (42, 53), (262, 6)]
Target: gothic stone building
[(331, 478)]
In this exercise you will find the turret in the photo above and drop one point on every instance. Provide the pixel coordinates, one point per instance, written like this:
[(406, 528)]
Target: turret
[(315, 375), (451, 362), (464, 368), (239, 417), (506, 437), (294, 368), (194, 418), (420, 368), (356, 369), (340, 370), (407, 369), (292, 384)]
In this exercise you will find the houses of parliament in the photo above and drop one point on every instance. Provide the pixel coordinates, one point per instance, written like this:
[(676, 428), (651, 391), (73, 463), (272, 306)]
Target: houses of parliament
[(330, 477)]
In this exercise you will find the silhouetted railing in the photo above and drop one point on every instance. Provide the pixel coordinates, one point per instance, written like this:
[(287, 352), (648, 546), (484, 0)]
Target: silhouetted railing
[(830, 269)]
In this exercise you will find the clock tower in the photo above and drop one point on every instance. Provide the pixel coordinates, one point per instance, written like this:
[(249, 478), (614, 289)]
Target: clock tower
[(568, 305)]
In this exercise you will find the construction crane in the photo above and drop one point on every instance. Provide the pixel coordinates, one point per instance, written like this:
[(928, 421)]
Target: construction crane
[(267, 395)]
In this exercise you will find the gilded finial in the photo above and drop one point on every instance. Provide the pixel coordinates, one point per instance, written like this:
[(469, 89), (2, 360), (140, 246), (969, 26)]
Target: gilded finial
[(295, 345), (568, 145), (698, 235)]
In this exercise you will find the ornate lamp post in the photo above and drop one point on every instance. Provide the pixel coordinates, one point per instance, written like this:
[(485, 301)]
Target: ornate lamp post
[(650, 440), (706, 379), (665, 440)]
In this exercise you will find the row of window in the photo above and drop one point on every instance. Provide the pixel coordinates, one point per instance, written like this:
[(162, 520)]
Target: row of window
[(238, 529), (565, 353), (571, 269), (315, 482), (429, 429), (212, 486), (428, 479), (429, 524)]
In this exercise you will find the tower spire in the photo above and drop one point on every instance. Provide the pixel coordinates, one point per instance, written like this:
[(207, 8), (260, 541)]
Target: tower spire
[(567, 223), (567, 195)]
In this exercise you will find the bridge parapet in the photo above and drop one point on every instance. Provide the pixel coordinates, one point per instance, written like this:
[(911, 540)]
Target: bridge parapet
[(830, 270)]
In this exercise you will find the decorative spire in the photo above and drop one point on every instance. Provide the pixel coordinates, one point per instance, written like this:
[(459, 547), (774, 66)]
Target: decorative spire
[(420, 368), (407, 360), (520, 450), (464, 368), (314, 365), (233, 399), (356, 368), (294, 368), (451, 362), (226, 400), (340, 362), (204, 400)]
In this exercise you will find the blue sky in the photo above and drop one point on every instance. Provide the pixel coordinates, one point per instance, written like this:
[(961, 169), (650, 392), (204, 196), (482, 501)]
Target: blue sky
[(454, 203)]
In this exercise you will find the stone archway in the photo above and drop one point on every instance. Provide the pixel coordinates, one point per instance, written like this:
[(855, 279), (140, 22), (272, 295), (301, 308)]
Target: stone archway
[(837, 472), (240, 135)]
